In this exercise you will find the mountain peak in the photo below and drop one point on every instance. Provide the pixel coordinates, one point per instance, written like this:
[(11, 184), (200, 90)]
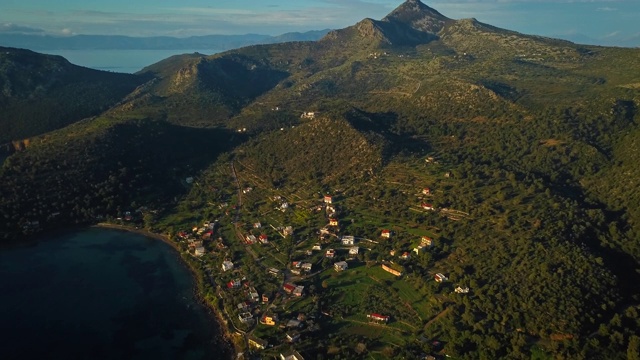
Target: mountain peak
[(419, 16)]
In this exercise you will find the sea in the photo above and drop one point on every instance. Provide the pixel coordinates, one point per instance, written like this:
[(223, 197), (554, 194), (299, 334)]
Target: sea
[(122, 61), (102, 294)]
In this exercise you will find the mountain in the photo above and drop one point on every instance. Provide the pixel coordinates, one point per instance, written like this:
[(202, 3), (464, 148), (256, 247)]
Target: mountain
[(510, 157), (418, 16), (117, 42), (41, 93)]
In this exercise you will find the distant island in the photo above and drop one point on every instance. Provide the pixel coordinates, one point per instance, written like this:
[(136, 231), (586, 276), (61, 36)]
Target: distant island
[(410, 187), (116, 42)]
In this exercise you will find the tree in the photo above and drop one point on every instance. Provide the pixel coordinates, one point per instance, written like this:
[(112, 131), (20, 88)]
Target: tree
[(633, 349)]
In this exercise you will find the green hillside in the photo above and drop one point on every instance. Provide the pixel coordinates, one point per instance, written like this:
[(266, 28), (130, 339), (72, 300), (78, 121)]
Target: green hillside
[(41, 93)]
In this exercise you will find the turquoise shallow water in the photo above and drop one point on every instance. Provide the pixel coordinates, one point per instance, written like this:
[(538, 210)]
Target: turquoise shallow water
[(101, 294)]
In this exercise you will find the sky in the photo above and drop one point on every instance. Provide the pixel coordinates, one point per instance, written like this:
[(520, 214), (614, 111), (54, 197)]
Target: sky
[(608, 22)]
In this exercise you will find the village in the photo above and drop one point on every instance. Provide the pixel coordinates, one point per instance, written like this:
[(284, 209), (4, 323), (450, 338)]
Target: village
[(274, 282)]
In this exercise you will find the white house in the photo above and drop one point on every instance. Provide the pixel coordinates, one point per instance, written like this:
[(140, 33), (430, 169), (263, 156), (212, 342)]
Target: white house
[(426, 241), (353, 251), (227, 265), (340, 266), (348, 240), (308, 115), (462, 290), (306, 266), (439, 277), (200, 251)]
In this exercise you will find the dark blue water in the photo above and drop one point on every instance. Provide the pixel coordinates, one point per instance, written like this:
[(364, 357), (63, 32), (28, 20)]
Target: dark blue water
[(101, 294), (124, 61)]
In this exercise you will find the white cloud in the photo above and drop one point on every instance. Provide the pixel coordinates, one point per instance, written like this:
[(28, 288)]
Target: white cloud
[(14, 28)]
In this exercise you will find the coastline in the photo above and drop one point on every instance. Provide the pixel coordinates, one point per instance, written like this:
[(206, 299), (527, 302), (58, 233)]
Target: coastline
[(195, 273)]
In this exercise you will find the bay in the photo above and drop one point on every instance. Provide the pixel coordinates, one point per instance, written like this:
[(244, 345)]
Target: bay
[(123, 61), (102, 294)]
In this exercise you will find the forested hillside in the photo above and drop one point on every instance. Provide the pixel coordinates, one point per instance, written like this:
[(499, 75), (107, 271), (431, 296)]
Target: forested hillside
[(41, 93)]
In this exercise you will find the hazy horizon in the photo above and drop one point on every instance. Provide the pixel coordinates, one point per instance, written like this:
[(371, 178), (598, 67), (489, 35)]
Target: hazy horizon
[(606, 22)]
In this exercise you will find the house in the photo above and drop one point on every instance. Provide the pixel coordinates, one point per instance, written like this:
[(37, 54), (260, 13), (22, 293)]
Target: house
[(348, 240), (328, 199), (426, 241), (227, 265), (426, 191), (288, 288), (419, 249), (298, 291), (447, 174), (253, 294), (196, 243), (306, 267), (333, 222), (265, 298), (257, 343), (257, 225), (392, 252), (317, 247), (274, 271), (353, 251), (291, 355), (330, 253), (263, 238), (340, 266), (234, 284), (427, 206), (439, 277), (251, 239), (308, 115), (296, 264), (405, 256), (293, 336), (462, 290), (288, 231), (378, 317), (245, 317), (386, 234), (296, 271), (200, 251), (269, 320)]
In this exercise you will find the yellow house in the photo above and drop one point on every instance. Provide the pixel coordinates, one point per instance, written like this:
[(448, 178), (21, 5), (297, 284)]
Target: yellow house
[(268, 320)]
